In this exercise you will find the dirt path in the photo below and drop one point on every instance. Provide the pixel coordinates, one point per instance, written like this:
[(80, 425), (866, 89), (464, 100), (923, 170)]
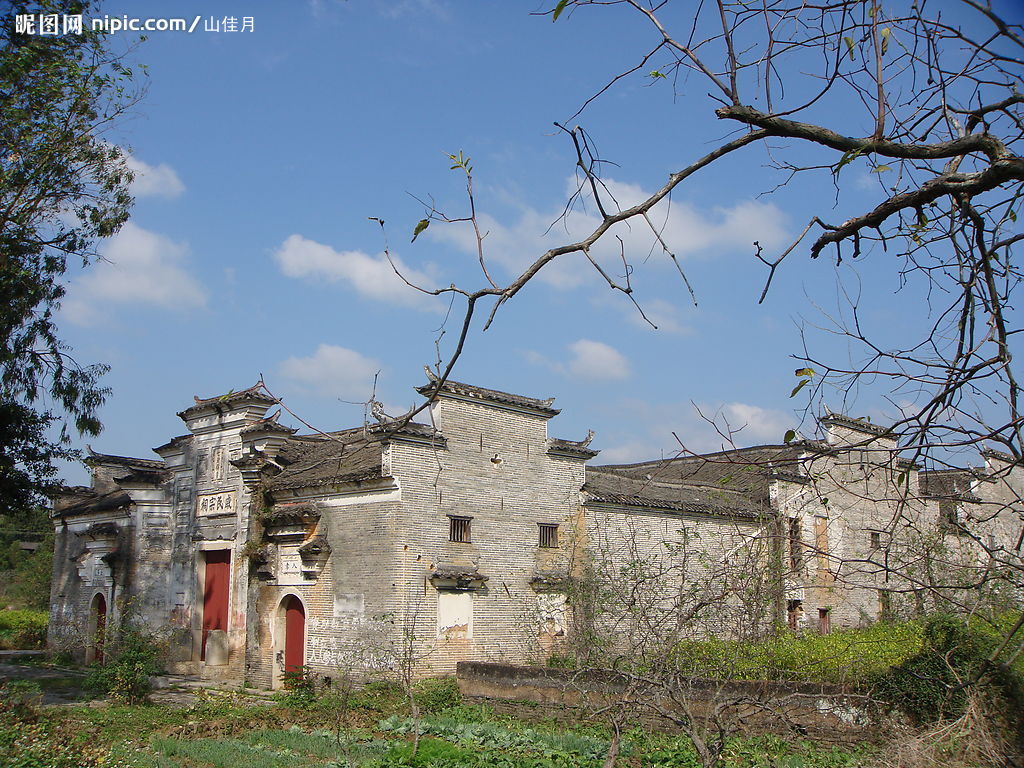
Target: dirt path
[(60, 685), (63, 686)]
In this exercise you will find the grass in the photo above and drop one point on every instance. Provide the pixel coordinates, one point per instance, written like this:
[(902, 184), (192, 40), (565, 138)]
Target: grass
[(223, 734)]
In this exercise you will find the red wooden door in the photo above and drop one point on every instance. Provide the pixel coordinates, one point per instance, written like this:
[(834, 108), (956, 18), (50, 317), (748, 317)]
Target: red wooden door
[(215, 593), (294, 635), (100, 609)]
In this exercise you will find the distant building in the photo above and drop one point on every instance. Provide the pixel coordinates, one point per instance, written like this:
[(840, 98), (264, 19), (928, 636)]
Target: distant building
[(258, 550)]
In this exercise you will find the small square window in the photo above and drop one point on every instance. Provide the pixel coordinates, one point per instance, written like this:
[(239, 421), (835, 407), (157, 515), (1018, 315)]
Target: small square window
[(876, 540), (548, 536), (458, 529)]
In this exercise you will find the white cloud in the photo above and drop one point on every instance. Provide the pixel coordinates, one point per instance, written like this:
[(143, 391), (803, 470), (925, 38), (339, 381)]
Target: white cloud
[(753, 424), (371, 276), (587, 359), (597, 360), (685, 229), (153, 180), (332, 371), (700, 427), (138, 267)]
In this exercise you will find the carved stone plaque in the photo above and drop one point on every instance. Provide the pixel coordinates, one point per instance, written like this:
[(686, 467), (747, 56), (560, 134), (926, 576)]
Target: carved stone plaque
[(289, 566), (216, 503)]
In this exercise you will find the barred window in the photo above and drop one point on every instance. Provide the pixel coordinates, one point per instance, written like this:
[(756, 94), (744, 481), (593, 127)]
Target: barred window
[(796, 545), (458, 529), (548, 536)]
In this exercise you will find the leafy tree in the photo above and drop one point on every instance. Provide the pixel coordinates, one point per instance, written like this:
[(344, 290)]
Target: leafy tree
[(62, 188), (26, 575)]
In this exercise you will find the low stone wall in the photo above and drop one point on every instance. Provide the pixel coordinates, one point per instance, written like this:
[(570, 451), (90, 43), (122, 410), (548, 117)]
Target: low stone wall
[(824, 713)]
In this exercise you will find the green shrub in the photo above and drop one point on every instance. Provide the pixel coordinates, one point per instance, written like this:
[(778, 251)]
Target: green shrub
[(299, 688), (561, 661), (437, 693), (20, 630), (934, 683), (132, 657), (844, 656)]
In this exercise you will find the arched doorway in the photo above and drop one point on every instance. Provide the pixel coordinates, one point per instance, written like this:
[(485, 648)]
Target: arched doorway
[(294, 634), (289, 638), (97, 628)]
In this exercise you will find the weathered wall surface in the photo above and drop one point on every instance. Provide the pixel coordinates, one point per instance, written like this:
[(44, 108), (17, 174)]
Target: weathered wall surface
[(718, 570), (496, 471), (349, 606), (855, 500), (826, 714)]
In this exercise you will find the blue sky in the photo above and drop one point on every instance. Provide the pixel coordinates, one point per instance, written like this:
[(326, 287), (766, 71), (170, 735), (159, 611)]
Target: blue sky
[(261, 155)]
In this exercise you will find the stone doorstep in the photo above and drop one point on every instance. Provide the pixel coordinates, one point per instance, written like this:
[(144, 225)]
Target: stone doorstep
[(190, 682)]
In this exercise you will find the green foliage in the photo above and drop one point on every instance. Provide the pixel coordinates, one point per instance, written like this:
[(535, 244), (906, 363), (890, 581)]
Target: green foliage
[(23, 629), (29, 740), (758, 752), (934, 683), (561, 661), (465, 737), (564, 745), (436, 694), (132, 657), (27, 452), (431, 752), (29, 574), (845, 656), (299, 688), (62, 188), (226, 753)]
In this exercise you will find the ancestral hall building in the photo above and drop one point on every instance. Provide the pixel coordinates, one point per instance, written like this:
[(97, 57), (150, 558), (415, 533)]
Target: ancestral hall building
[(256, 549)]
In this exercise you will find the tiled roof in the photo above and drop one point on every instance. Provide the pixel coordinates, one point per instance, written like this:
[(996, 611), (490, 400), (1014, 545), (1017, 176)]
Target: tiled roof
[(312, 460), (254, 393), (97, 503), (861, 424), (412, 428), (493, 395), (571, 447), (612, 487), (269, 424), (746, 470), (174, 442), (1001, 455), (125, 461), (291, 514), (150, 476)]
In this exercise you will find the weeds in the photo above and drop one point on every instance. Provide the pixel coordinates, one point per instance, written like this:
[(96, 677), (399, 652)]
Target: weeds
[(132, 660)]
